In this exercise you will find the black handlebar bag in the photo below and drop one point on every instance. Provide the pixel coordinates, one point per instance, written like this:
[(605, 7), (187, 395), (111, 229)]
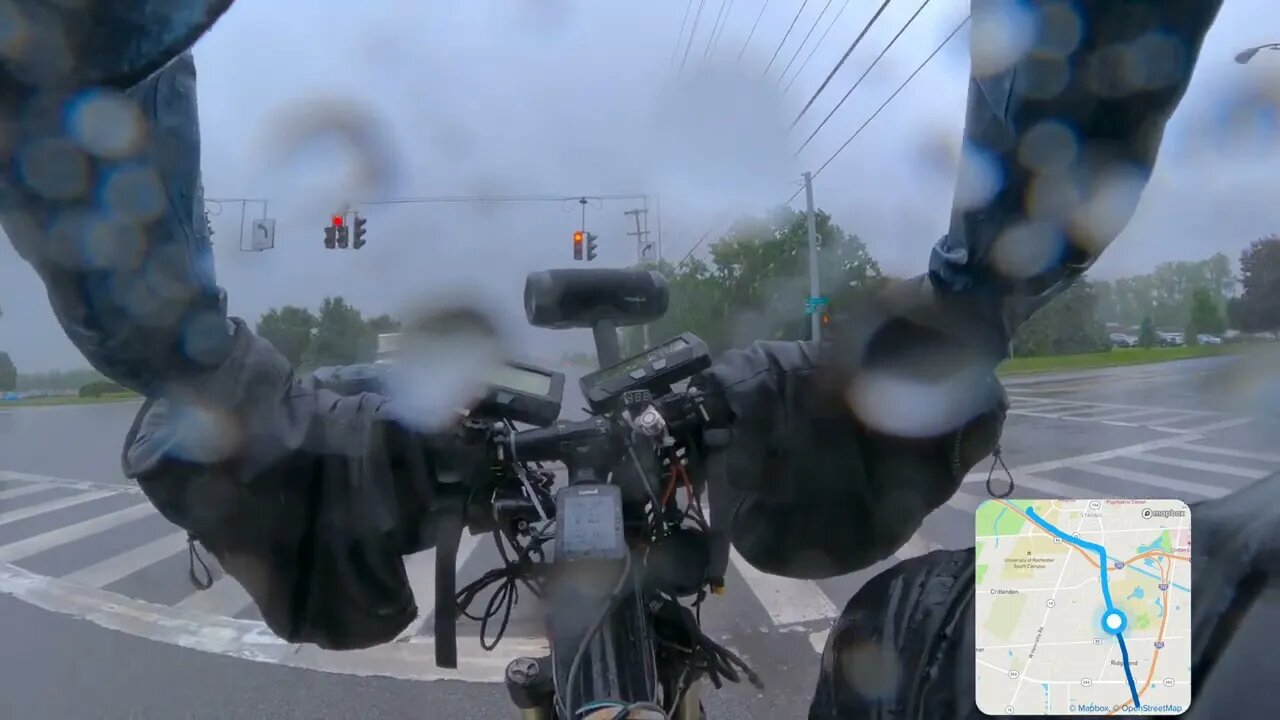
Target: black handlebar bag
[(312, 539)]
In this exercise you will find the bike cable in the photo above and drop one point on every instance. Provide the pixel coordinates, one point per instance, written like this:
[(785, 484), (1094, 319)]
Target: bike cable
[(586, 639), (505, 597)]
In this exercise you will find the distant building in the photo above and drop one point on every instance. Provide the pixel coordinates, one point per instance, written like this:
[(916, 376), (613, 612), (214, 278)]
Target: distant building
[(388, 347)]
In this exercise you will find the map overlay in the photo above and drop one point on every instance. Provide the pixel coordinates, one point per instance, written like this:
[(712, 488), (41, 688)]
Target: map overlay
[(1083, 607)]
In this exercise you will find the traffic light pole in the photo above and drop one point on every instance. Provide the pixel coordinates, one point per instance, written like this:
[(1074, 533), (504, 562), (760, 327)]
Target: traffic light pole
[(815, 314)]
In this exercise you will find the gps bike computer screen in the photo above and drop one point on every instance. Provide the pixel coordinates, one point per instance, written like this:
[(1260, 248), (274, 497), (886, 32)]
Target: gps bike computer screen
[(589, 523), (522, 379)]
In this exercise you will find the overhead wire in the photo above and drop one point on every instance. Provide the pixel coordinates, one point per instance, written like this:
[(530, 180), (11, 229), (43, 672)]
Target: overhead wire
[(751, 34), (804, 42), (715, 30), (790, 27), (834, 70), (866, 72), (692, 32), (680, 35), (885, 104), (815, 47)]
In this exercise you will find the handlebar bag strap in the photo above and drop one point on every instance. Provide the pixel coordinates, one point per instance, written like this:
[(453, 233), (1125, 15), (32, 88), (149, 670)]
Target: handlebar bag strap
[(448, 536)]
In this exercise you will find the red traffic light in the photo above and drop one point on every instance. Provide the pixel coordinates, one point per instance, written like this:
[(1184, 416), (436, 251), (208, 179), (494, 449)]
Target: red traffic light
[(337, 221)]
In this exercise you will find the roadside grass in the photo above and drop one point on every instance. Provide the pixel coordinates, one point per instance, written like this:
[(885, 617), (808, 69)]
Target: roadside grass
[(70, 400), (1116, 357)]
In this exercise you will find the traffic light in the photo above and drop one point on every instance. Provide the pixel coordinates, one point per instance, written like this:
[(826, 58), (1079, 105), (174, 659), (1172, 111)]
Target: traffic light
[(577, 244), (358, 240), (342, 237), (591, 247), (330, 237)]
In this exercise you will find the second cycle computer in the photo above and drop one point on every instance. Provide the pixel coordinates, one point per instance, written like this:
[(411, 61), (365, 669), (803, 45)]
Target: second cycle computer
[(524, 393), (655, 369)]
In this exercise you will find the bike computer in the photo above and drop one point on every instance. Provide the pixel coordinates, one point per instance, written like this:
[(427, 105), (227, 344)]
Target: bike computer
[(589, 523), (524, 393), (655, 369)]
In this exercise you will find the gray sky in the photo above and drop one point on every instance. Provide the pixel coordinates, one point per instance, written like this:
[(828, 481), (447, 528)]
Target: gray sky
[(466, 97)]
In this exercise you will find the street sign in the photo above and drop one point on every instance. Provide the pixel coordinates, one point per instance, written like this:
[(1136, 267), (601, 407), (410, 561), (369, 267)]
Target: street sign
[(814, 304), (648, 251), (264, 235)]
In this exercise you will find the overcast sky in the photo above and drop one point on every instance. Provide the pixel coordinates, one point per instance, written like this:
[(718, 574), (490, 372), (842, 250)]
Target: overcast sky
[(312, 102)]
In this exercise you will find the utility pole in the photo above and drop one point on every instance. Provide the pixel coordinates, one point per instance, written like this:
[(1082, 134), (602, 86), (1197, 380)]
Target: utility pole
[(646, 251), (815, 312)]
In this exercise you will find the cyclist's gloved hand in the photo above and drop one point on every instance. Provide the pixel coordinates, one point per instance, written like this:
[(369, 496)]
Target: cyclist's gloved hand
[(837, 454)]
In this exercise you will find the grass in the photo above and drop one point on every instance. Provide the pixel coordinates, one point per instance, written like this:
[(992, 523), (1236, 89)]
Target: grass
[(1115, 358), (70, 400)]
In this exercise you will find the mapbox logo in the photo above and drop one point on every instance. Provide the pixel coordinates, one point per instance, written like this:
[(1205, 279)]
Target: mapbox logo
[(1083, 607)]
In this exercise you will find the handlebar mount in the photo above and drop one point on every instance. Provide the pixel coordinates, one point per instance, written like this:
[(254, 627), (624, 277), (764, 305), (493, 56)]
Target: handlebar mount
[(631, 543)]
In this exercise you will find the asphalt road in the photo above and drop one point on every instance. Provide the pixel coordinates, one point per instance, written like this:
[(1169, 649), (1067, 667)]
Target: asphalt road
[(77, 542)]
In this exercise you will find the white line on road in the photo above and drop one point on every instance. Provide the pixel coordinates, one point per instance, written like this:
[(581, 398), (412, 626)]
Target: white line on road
[(981, 476), (12, 476), (125, 564), (1211, 427), (249, 640), (1156, 481), (60, 503), (225, 597), (1251, 473), (1230, 452), (22, 490), (70, 533), (787, 600)]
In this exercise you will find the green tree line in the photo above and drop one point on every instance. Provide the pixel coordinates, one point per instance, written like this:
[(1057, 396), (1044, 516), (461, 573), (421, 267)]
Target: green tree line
[(754, 283), (336, 334)]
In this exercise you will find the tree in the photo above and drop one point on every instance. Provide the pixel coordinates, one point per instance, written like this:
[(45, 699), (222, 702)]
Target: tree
[(1206, 317), (384, 324), (1259, 305), (341, 338), (8, 373), (289, 330), (1067, 325), (758, 278), (1147, 336)]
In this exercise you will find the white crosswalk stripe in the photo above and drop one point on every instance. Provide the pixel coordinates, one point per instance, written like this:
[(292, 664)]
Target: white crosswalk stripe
[(81, 534)]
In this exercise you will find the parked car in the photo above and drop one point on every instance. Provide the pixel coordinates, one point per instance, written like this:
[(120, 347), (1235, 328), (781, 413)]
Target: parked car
[(1121, 340), (1172, 339), (1209, 339)]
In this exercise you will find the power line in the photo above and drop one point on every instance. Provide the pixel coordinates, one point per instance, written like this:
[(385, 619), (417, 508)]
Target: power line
[(495, 199), (807, 35), (711, 39), (790, 27), (753, 29), (816, 45), (863, 76), (692, 31), (835, 69), (724, 24), (680, 35), (889, 100)]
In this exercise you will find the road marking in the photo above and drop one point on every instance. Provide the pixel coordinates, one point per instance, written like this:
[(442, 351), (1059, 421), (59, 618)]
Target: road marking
[(70, 533), (819, 640), (60, 503), (120, 566), (421, 569), (1211, 427), (1218, 468), (1156, 481), (250, 640), (981, 476), (22, 477), (969, 503), (1229, 452), (787, 600), (22, 490), (225, 597)]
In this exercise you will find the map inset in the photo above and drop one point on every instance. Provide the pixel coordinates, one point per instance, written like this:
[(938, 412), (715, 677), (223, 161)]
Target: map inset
[(1083, 607)]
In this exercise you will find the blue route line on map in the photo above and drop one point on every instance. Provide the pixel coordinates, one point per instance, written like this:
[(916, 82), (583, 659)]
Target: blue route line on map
[(1118, 631)]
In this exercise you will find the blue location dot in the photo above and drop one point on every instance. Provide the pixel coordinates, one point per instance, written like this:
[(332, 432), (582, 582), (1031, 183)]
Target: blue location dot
[(1114, 621)]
